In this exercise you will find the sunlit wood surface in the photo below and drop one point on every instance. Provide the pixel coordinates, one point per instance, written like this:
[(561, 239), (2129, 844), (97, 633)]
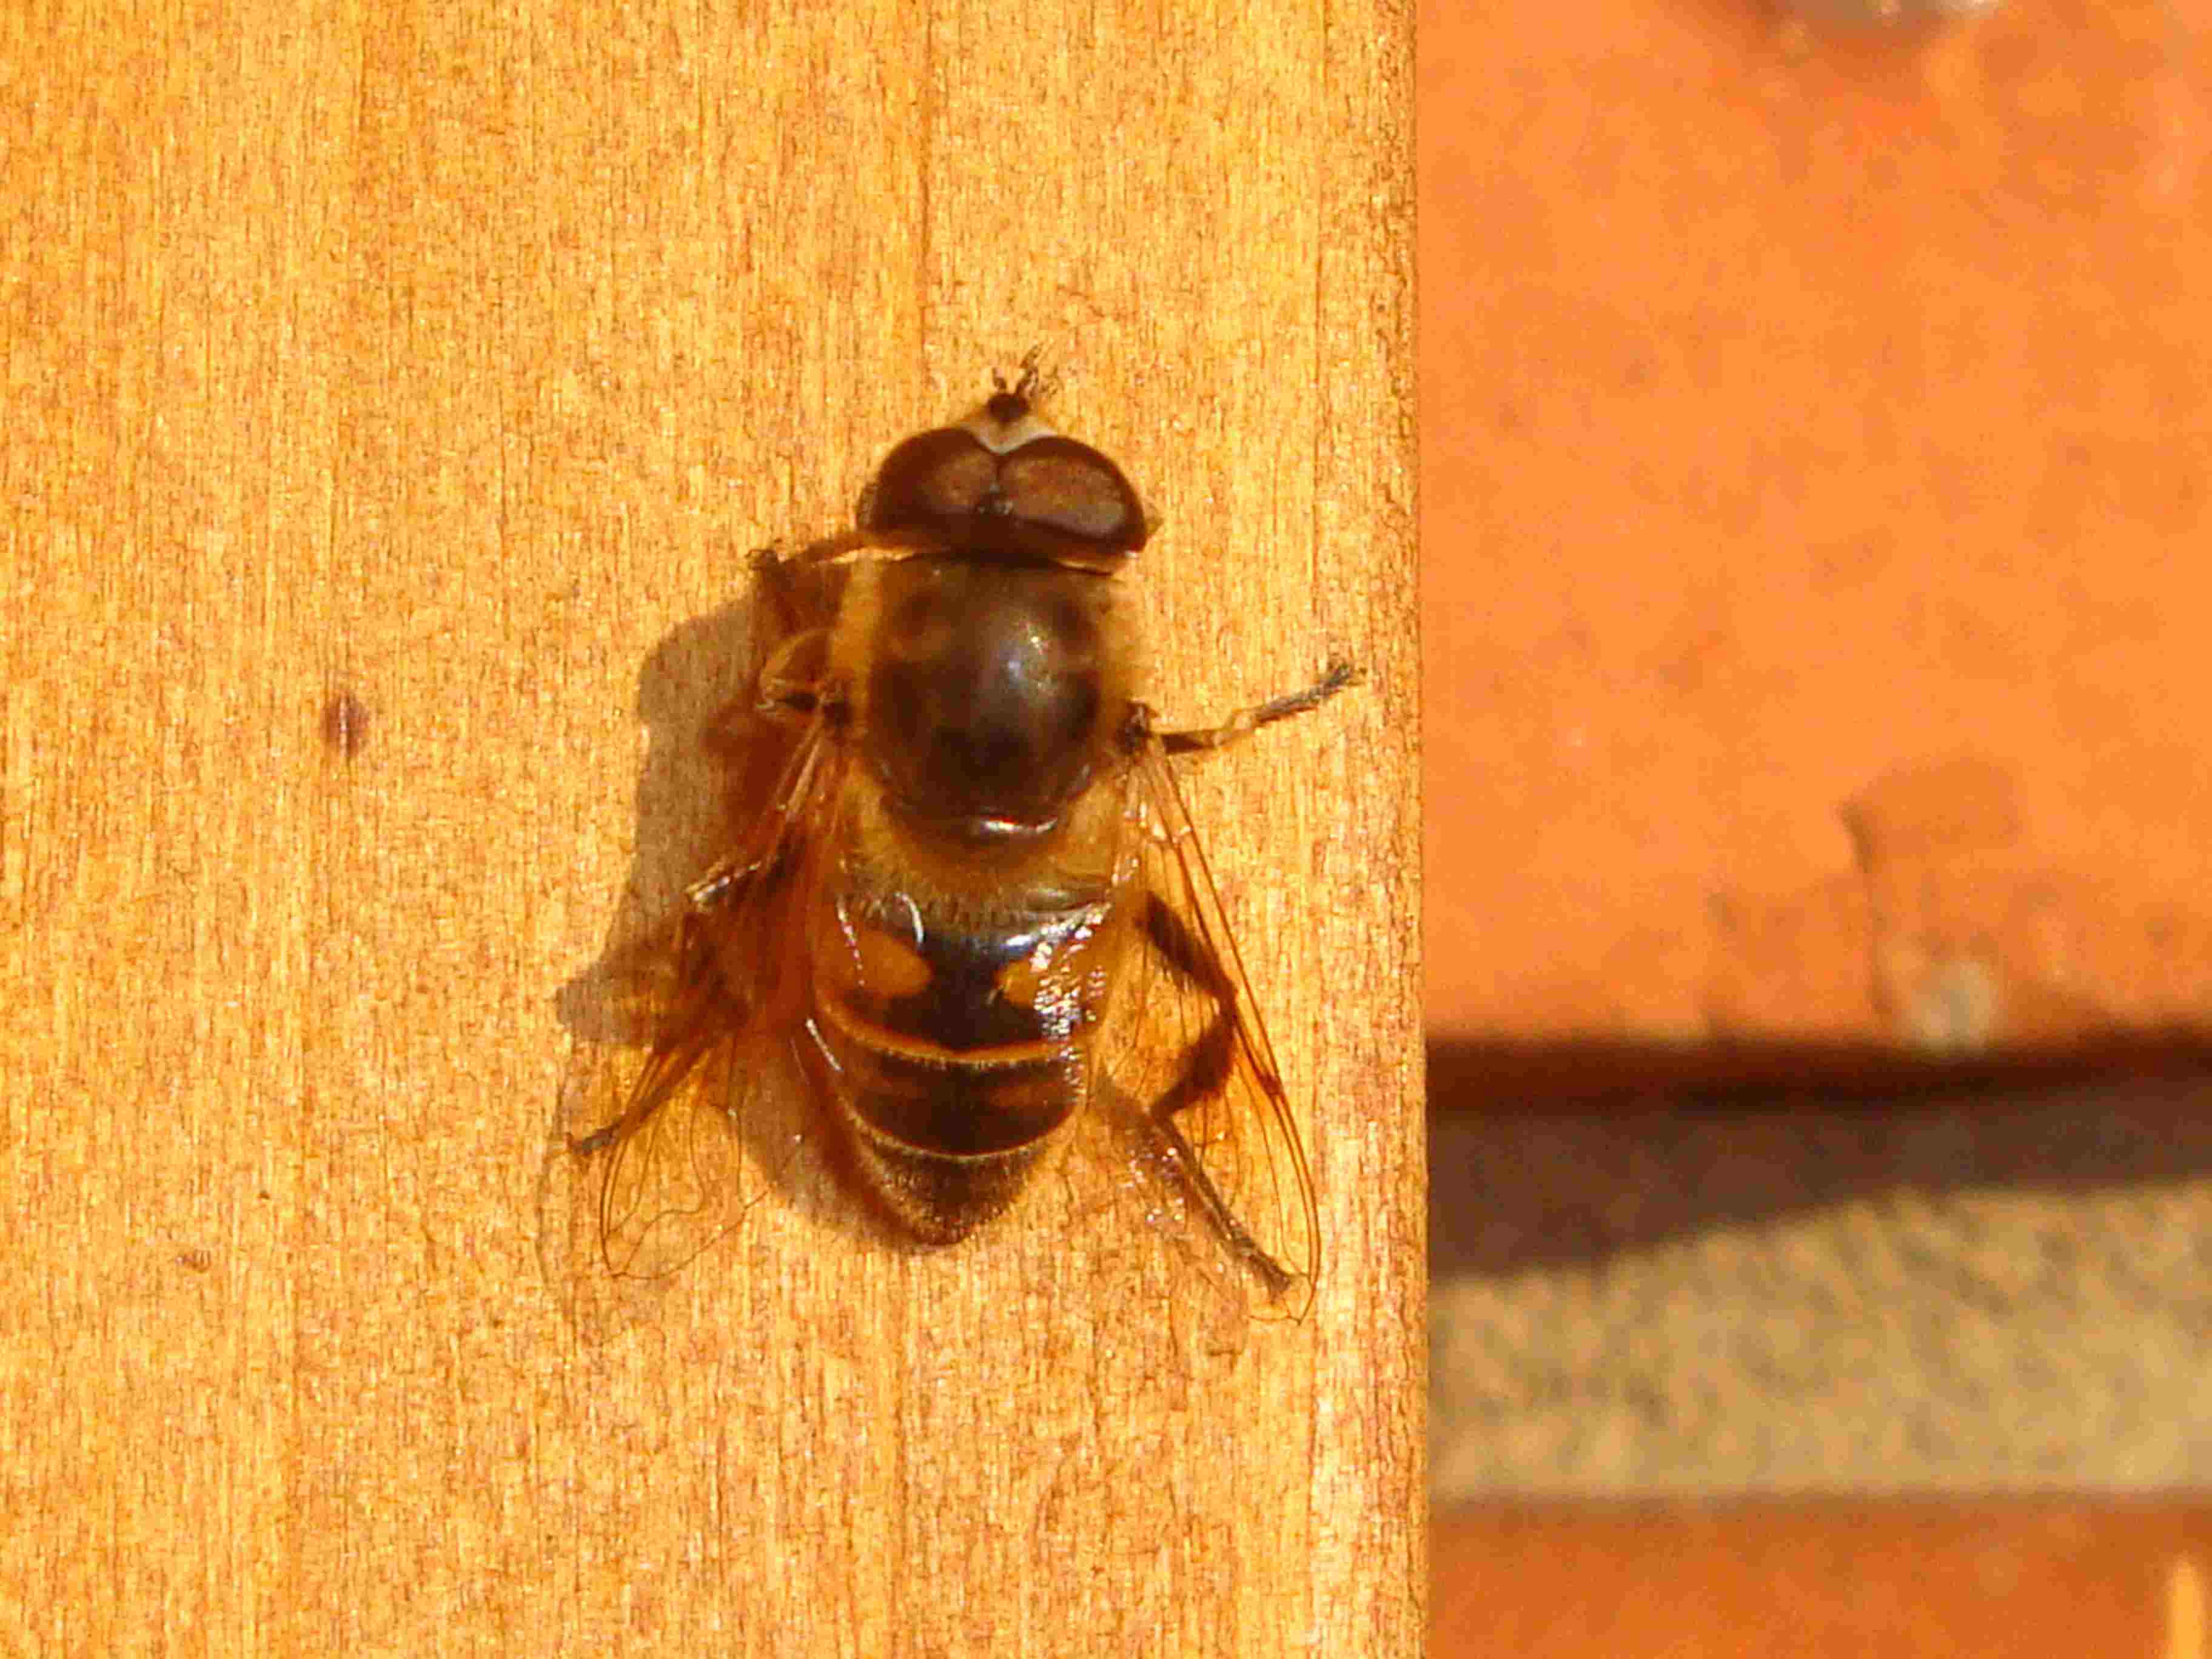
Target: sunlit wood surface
[(393, 394)]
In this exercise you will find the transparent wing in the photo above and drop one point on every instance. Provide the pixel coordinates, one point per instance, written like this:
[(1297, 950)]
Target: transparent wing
[(1190, 1083), (684, 1132)]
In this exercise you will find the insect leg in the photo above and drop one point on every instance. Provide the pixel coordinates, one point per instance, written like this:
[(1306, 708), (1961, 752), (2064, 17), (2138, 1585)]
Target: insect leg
[(1245, 721), (681, 1035), (790, 685), (802, 584), (1206, 1065), (707, 1001), (795, 602)]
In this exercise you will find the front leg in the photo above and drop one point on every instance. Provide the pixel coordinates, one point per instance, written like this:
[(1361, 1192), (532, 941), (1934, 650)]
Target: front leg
[(1245, 721), (801, 585)]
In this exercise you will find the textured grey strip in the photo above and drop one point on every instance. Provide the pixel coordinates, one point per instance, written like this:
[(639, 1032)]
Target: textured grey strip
[(1966, 1294)]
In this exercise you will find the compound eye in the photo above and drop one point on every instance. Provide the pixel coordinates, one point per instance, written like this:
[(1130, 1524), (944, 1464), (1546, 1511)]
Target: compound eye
[(932, 481), (1069, 488)]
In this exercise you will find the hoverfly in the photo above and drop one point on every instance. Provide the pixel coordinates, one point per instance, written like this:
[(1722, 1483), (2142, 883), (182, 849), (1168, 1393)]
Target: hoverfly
[(974, 911)]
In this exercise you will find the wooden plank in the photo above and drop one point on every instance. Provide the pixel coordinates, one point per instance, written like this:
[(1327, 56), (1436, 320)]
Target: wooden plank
[(450, 359)]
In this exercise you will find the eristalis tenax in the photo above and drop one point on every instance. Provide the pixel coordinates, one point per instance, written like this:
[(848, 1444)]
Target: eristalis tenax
[(973, 917)]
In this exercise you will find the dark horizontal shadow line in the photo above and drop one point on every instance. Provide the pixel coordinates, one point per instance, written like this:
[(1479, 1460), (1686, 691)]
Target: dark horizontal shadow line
[(1544, 1155), (1481, 1075)]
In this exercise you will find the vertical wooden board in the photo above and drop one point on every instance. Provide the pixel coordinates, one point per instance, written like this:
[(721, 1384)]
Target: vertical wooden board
[(451, 360), (169, 431)]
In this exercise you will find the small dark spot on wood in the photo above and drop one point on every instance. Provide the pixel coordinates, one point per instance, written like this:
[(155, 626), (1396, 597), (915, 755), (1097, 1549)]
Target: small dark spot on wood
[(196, 1260), (345, 724)]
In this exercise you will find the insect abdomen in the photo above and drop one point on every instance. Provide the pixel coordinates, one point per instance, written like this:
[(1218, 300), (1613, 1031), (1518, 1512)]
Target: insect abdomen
[(955, 1056)]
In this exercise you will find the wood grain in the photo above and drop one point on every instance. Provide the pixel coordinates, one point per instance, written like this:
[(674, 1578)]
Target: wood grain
[(448, 360)]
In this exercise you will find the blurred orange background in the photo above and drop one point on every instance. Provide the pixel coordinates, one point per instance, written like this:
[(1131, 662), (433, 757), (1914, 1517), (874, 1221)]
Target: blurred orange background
[(1816, 462)]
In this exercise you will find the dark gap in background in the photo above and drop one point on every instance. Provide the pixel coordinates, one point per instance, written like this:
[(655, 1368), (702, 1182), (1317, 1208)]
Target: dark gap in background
[(1548, 1154)]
